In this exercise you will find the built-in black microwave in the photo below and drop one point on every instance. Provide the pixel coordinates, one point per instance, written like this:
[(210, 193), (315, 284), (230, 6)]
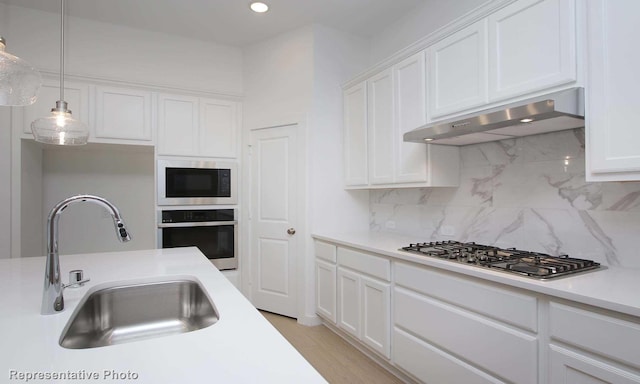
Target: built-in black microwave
[(187, 182)]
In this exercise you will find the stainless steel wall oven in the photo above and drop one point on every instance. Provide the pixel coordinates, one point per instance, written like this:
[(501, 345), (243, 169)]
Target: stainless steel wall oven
[(213, 231)]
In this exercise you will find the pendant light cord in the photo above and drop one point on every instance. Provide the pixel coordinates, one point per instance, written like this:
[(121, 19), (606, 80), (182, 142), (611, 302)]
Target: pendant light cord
[(61, 50)]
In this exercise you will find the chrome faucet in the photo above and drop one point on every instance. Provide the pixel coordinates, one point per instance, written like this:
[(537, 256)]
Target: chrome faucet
[(52, 299)]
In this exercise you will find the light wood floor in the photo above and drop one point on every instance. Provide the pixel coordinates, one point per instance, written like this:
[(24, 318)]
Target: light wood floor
[(336, 360)]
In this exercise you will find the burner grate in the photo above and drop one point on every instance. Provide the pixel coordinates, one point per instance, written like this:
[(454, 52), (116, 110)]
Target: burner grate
[(510, 260)]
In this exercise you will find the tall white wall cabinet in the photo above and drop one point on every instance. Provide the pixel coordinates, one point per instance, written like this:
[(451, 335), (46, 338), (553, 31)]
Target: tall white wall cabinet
[(612, 95)]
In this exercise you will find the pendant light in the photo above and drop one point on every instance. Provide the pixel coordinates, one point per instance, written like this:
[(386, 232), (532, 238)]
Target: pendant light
[(19, 81), (60, 128)]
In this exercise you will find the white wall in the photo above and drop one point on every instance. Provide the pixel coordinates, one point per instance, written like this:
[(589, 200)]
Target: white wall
[(294, 77), (5, 185), (123, 175), (278, 78), (337, 58), (418, 23), (120, 53), (31, 219)]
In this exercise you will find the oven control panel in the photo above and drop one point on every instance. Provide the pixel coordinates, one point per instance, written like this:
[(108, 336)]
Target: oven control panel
[(198, 215)]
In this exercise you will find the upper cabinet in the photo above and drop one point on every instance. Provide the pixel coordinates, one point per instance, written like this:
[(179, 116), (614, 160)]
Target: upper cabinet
[(356, 171), (458, 71), (123, 114), (191, 126), (612, 136), (532, 46), (76, 94), (380, 113), (377, 113)]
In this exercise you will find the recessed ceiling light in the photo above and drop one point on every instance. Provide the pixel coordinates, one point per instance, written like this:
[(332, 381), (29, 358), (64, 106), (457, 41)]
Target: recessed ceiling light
[(428, 139), (259, 7)]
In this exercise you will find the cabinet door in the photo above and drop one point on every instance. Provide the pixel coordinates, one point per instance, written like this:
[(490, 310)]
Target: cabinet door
[(123, 114), (178, 125), (458, 71), (75, 94), (376, 316), (569, 367), (410, 114), (532, 46), (356, 171), (612, 95), (381, 131), (349, 305), (326, 290), (218, 128)]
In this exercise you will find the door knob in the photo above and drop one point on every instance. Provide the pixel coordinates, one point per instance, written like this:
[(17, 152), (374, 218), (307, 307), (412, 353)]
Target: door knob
[(291, 231)]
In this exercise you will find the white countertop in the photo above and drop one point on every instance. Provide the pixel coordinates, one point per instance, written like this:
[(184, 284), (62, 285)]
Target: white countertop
[(611, 288), (242, 347)]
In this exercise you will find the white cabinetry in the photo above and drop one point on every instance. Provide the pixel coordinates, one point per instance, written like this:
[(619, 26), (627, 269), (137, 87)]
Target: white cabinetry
[(356, 171), (364, 298), (532, 46), (375, 154), (326, 280), (590, 347), (467, 333), (458, 71), (177, 125), (380, 109), (612, 93), (123, 114), (191, 126), (76, 94)]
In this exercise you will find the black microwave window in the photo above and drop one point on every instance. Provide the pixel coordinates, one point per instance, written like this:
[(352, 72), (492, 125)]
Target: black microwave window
[(198, 182)]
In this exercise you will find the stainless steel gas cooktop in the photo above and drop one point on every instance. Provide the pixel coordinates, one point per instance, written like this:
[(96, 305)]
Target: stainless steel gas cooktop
[(530, 264)]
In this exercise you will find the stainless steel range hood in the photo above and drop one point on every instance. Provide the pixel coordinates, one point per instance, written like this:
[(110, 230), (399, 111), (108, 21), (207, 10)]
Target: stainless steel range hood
[(547, 113)]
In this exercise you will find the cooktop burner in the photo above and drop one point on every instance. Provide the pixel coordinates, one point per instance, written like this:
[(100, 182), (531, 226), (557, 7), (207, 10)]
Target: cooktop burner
[(511, 260)]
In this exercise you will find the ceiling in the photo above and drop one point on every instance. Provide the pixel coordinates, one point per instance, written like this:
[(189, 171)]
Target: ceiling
[(230, 22)]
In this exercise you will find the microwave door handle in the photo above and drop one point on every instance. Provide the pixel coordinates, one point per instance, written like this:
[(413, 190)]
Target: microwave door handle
[(197, 224)]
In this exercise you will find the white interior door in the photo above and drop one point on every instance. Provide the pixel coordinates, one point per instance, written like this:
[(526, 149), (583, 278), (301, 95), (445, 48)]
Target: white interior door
[(274, 244)]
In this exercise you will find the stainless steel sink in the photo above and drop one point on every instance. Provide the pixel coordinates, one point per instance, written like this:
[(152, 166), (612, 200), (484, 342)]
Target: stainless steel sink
[(133, 312)]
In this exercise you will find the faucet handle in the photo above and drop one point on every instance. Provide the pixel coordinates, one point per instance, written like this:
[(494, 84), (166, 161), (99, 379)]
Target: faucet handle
[(76, 279)]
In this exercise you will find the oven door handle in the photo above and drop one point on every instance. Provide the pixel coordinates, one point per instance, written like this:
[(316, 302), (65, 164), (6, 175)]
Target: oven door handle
[(197, 224)]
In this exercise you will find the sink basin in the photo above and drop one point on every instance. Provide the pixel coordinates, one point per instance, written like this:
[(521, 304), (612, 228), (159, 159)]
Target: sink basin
[(133, 312)]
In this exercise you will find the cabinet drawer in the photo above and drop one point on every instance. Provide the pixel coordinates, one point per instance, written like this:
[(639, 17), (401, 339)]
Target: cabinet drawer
[(501, 304), (325, 251), (603, 335), (365, 263), (570, 367), (431, 365), (472, 338)]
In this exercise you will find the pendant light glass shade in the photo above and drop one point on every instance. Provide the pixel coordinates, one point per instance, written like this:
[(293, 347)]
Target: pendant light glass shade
[(19, 81), (60, 128)]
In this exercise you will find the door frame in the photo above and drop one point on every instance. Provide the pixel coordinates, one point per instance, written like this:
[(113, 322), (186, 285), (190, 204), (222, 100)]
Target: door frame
[(304, 264)]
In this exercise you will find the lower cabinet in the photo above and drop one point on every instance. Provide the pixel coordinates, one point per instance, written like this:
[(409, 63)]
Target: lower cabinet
[(592, 347), (438, 326), (364, 299), (569, 367), (326, 290)]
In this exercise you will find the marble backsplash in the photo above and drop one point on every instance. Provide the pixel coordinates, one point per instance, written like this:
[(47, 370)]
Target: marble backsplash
[(528, 193)]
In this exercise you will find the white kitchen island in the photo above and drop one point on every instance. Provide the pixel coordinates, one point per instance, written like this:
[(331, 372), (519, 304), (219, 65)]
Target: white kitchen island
[(242, 347)]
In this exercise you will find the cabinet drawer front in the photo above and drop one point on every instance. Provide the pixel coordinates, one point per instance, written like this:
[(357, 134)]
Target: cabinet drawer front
[(475, 339), (603, 335), (365, 263), (431, 365), (570, 367), (511, 307), (325, 251)]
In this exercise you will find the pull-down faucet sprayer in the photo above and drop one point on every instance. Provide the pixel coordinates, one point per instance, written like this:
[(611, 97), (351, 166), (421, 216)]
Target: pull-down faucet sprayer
[(52, 298)]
